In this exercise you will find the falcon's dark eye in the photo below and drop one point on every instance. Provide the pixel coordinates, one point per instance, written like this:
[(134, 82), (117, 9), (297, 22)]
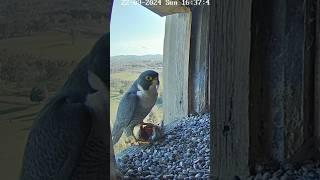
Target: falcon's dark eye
[(148, 78)]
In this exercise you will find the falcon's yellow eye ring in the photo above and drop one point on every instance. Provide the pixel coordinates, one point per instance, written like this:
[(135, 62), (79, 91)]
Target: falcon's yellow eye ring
[(148, 78)]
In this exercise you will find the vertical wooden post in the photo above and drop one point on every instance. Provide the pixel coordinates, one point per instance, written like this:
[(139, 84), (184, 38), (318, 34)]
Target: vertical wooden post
[(230, 25), (317, 73), (199, 63), (281, 80), (176, 65)]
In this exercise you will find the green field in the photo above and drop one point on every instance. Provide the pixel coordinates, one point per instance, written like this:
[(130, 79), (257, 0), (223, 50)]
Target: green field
[(16, 114), (50, 45), (129, 76)]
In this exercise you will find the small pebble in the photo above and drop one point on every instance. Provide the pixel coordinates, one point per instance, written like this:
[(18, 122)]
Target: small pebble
[(130, 171), (181, 164), (278, 173), (198, 175), (258, 177), (266, 176), (284, 177)]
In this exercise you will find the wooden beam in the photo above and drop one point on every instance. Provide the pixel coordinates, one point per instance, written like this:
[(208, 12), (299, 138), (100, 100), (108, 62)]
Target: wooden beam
[(176, 65), (230, 23), (317, 75), (199, 61), (165, 7), (281, 80)]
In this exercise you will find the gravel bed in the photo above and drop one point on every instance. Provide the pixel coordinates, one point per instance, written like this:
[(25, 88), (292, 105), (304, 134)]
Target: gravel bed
[(307, 171), (183, 154)]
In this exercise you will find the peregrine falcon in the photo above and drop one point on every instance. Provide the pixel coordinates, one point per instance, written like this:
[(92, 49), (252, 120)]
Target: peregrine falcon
[(136, 104), (69, 139)]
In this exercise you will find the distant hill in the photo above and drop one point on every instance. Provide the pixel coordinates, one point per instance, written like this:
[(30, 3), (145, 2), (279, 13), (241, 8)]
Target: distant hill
[(134, 58), (22, 18)]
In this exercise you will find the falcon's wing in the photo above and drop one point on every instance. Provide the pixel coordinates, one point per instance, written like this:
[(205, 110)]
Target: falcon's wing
[(125, 113), (56, 141)]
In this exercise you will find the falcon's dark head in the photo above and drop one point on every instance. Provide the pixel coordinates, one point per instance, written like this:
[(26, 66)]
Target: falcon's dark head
[(148, 79)]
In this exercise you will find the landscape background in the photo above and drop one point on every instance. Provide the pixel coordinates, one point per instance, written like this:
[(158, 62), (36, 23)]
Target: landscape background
[(136, 45), (40, 43)]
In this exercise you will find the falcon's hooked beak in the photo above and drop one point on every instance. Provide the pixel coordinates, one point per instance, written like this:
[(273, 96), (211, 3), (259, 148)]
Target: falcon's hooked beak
[(156, 82)]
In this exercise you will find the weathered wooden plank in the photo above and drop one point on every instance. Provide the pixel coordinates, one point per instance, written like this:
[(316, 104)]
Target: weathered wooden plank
[(165, 7), (281, 85), (317, 78), (229, 87), (310, 8), (176, 66), (199, 64)]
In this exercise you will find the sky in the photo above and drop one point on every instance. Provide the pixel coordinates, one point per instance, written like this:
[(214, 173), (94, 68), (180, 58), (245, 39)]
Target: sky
[(135, 30)]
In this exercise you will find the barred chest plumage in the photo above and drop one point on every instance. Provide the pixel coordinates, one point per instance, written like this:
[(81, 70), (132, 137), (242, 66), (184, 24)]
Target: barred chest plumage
[(93, 163)]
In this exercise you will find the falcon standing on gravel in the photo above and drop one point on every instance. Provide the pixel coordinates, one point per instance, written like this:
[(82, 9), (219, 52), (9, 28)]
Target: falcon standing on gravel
[(136, 104)]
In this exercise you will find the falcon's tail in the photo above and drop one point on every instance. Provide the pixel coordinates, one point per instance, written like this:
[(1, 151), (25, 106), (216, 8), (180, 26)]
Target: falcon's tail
[(116, 133)]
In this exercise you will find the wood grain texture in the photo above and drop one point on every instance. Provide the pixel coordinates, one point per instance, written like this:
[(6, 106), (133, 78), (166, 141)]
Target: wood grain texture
[(176, 66), (229, 87), (199, 61), (281, 79), (317, 74)]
